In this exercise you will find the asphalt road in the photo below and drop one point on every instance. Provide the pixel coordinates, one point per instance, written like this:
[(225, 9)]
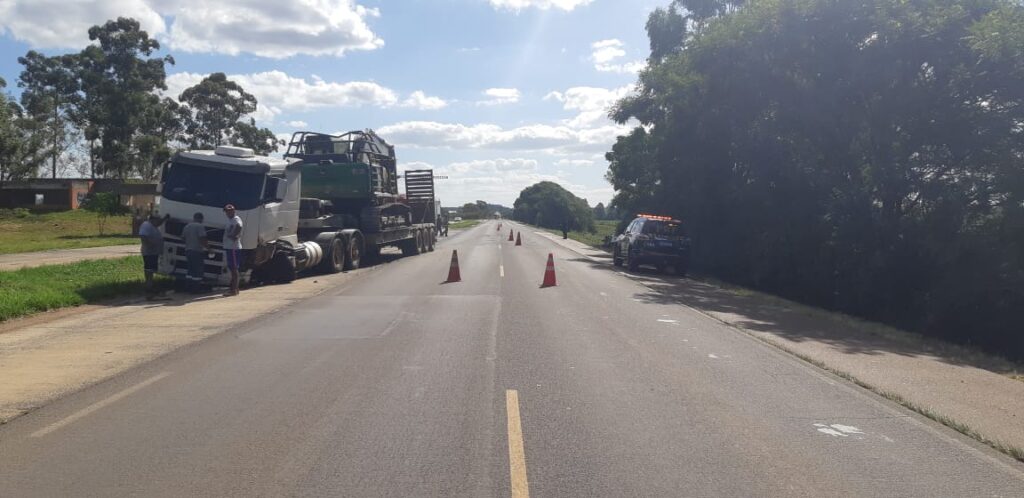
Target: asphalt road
[(399, 385)]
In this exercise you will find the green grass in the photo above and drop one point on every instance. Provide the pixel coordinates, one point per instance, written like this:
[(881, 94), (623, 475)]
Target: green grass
[(22, 231), (32, 290), (603, 228), (461, 225)]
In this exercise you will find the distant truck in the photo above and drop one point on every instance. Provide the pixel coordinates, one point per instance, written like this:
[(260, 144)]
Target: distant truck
[(330, 204)]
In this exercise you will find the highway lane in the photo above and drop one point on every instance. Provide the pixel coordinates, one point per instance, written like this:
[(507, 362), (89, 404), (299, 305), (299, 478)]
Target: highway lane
[(398, 385)]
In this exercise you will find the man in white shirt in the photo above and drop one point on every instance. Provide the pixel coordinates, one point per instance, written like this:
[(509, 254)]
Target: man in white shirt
[(232, 247)]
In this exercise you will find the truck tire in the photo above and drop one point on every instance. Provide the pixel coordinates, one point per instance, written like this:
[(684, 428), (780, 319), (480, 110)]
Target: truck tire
[(421, 239), (334, 254), (283, 268), (354, 255), (409, 247), (431, 239)]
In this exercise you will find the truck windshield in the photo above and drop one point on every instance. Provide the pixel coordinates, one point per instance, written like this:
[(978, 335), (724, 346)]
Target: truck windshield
[(212, 186)]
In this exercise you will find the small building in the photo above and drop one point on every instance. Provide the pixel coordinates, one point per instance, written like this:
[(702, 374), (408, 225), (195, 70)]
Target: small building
[(62, 194), (56, 194)]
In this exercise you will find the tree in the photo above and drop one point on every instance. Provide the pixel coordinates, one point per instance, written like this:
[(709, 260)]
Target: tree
[(119, 92), (50, 91), (22, 141), (261, 140), (105, 205), (216, 106), (162, 125), (862, 156), (470, 211), (548, 205), (599, 211)]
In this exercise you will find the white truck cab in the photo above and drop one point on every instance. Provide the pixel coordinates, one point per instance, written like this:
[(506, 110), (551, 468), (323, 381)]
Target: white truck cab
[(264, 190)]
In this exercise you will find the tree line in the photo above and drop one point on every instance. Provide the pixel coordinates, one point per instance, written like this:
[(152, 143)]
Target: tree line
[(102, 110), (862, 156), (547, 204)]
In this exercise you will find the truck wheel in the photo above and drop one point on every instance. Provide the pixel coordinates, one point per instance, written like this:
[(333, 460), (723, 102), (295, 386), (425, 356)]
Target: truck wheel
[(355, 252), (421, 245), (283, 268), (334, 256), (431, 239)]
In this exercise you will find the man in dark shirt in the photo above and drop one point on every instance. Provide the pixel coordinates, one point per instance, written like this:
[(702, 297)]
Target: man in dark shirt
[(152, 246)]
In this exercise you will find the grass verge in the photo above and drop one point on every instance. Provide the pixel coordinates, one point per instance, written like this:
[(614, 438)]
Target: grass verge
[(25, 231), (603, 228), (32, 290), (464, 224)]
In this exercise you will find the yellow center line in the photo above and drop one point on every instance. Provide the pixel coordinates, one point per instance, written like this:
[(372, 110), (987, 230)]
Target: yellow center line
[(516, 455)]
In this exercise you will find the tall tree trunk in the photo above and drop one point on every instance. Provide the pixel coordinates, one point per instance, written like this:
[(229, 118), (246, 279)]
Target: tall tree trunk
[(56, 116)]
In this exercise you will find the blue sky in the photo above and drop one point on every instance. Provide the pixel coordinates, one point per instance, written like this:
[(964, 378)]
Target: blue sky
[(495, 94)]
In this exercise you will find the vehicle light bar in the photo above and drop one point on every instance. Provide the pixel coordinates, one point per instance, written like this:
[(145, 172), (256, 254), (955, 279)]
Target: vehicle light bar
[(657, 217)]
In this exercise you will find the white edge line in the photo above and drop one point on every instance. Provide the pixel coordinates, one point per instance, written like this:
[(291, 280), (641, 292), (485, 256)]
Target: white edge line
[(97, 405)]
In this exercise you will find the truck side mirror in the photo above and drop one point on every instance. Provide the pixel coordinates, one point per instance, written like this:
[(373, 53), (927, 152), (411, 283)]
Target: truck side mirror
[(282, 190)]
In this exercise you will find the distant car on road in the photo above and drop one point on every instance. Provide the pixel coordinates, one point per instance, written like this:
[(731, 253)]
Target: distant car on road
[(458, 219), (653, 240)]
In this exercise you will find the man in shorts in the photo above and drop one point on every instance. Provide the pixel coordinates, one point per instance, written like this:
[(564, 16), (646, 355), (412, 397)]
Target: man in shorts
[(152, 247), (232, 247), (195, 251)]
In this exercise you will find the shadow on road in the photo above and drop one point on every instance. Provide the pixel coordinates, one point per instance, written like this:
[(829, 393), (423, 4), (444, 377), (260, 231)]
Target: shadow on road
[(795, 322)]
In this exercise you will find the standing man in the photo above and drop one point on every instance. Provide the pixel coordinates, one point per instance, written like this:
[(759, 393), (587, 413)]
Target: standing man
[(152, 247), (195, 251), (232, 247)]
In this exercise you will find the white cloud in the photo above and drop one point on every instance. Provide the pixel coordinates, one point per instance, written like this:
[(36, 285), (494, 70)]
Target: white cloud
[(276, 91), (536, 137), (499, 96), (272, 29), (605, 55), (297, 124), (574, 162), (267, 29), (65, 24), (517, 5), (423, 102), (591, 103)]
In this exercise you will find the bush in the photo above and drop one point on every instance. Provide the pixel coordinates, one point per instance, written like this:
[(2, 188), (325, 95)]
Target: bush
[(104, 204)]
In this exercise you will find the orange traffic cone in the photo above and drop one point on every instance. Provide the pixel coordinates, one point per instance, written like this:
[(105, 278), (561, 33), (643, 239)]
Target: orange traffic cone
[(549, 273), (519, 239), (510, 238), (453, 270)]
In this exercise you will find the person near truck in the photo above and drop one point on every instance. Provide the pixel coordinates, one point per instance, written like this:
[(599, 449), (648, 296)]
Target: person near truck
[(152, 247), (232, 247), (196, 245)]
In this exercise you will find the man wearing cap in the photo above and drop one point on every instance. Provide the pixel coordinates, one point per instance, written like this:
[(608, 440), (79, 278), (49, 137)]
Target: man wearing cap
[(232, 247)]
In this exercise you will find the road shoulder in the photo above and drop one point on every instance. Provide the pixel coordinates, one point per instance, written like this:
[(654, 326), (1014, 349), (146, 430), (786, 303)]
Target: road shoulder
[(968, 392), (47, 359)]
